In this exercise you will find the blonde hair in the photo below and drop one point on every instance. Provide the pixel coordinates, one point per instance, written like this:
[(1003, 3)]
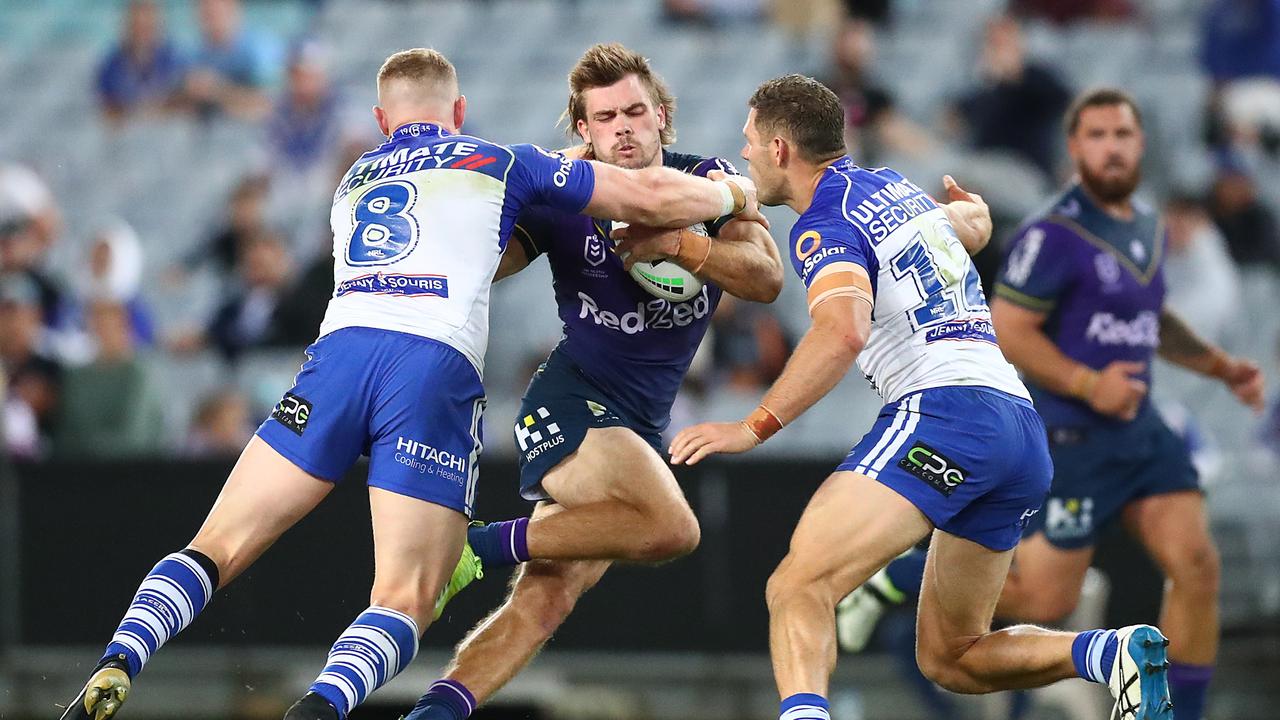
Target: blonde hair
[(421, 65), (605, 64)]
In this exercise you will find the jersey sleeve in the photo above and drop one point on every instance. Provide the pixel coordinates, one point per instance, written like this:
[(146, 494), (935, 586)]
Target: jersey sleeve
[(701, 169), (817, 242), (1035, 271), (541, 177), (535, 229)]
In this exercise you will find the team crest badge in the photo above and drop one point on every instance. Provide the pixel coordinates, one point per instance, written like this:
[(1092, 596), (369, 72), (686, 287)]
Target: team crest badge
[(593, 251), (1107, 267)]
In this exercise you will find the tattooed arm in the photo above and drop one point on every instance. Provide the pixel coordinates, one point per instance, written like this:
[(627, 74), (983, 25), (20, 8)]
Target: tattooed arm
[(1179, 344)]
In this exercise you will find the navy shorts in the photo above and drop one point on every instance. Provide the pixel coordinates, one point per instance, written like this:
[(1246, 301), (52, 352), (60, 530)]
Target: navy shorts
[(412, 404), (557, 409), (974, 460), (1101, 469)]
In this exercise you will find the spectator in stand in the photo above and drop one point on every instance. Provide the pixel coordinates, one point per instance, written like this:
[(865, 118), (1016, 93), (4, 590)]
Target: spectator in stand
[(34, 376), (1017, 104), (876, 11), (244, 220), (305, 126), (221, 426), (115, 273), (873, 126), (29, 226), (749, 347), (1065, 12), (1240, 49), (112, 407), (143, 73), (233, 68), (260, 312), (1247, 224), (1202, 280)]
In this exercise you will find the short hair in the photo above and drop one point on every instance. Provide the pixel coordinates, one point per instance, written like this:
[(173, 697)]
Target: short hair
[(806, 111), (1098, 97), (419, 64), (605, 64)]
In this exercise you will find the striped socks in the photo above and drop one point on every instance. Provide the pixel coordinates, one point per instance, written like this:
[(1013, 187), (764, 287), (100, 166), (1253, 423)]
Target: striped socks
[(1094, 653), (500, 544), (377, 646), (805, 706), (170, 597)]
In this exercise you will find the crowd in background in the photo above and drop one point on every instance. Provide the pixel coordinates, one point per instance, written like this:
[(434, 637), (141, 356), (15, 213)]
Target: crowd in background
[(78, 351)]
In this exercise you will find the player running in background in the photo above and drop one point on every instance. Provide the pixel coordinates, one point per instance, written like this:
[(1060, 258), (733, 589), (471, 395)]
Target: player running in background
[(1080, 311), (419, 225), (602, 399), (958, 451)]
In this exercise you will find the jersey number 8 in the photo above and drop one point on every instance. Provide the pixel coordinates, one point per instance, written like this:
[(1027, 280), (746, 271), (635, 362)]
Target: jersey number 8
[(384, 228)]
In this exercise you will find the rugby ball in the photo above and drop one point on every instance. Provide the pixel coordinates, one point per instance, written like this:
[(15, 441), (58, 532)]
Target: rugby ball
[(664, 278)]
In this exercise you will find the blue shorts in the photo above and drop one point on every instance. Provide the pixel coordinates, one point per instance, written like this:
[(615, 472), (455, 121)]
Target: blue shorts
[(412, 404), (973, 460), (557, 409), (1099, 470)]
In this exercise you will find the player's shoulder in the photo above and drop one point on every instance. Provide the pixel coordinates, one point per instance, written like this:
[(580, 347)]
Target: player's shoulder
[(696, 164), (1062, 217)]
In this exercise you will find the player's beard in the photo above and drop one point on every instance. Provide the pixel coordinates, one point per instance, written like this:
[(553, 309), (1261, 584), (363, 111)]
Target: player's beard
[(1110, 189)]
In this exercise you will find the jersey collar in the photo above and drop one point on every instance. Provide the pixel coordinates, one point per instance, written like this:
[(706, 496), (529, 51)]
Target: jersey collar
[(418, 129)]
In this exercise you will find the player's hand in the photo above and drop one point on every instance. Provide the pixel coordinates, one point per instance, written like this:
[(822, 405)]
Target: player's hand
[(1245, 380), (751, 211), (972, 222), (1117, 393), (640, 243), (695, 443)]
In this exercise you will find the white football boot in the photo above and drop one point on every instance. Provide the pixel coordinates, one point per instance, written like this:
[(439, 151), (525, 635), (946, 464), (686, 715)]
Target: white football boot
[(1139, 676)]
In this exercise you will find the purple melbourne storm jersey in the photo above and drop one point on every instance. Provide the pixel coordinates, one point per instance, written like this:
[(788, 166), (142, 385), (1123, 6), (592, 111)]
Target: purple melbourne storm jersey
[(420, 223), (631, 345), (930, 326), (1100, 282)]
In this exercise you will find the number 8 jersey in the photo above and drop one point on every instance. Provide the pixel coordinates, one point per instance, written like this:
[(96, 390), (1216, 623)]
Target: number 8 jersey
[(420, 223), (930, 323)]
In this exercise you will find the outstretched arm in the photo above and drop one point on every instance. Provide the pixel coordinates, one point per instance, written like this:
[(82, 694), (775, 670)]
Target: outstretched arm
[(666, 197), (840, 304)]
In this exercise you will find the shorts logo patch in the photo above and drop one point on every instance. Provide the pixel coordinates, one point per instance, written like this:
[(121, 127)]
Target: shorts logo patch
[(596, 408), (934, 468), (293, 412), (528, 436), (1067, 518)]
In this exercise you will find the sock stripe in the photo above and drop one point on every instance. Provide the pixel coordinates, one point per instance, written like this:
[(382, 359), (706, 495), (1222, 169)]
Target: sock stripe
[(374, 649), (206, 583), (445, 684)]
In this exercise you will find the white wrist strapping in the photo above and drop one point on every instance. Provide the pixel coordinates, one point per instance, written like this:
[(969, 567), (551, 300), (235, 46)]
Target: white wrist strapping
[(729, 204)]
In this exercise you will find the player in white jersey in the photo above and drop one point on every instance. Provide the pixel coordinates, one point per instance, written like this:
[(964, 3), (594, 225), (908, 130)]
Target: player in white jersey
[(958, 451), (420, 223)]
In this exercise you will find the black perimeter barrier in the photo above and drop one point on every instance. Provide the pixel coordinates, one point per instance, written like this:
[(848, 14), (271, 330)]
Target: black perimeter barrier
[(78, 537)]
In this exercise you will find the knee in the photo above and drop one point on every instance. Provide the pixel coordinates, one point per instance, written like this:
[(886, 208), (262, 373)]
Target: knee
[(944, 669), (1197, 570), (673, 533), (790, 582)]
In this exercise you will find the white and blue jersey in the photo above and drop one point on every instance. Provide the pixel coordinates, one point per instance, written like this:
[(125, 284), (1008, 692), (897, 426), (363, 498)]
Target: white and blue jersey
[(958, 436), (419, 225)]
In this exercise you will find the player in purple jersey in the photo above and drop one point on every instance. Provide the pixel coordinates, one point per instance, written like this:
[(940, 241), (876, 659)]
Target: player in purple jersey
[(600, 401), (419, 226), (1080, 309), (959, 453)]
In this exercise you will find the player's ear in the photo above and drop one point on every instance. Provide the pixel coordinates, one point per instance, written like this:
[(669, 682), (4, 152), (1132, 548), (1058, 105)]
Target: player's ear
[(662, 116), (381, 116), (581, 127), (781, 151), (459, 111)]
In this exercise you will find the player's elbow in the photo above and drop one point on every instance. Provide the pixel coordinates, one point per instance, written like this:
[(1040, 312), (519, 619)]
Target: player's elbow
[(763, 287)]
